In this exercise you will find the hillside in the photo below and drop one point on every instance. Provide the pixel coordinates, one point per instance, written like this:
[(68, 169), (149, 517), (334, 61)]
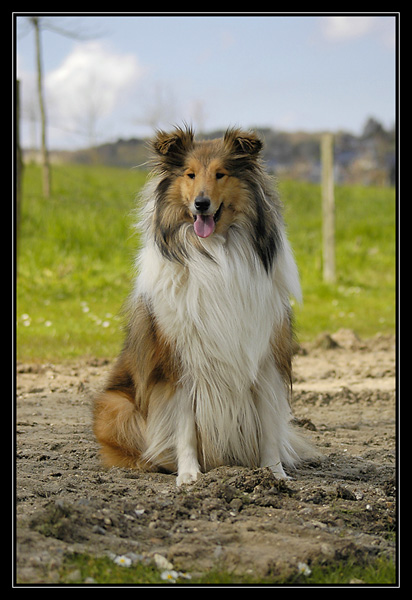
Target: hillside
[(367, 159)]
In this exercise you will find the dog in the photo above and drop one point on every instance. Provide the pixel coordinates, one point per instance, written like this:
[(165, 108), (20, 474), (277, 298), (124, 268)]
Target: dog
[(204, 376)]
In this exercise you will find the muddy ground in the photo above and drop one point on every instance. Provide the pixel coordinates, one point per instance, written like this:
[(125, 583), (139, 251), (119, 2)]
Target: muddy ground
[(342, 505)]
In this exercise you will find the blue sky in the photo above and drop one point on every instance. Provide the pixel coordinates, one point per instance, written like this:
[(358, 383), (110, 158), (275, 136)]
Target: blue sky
[(123, 75)]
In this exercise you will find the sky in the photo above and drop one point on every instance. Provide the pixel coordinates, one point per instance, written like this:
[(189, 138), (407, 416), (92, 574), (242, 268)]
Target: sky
[(121, 76)]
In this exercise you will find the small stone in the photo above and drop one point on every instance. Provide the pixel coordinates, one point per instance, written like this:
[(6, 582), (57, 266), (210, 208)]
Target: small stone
[(162, 563), (74, 576)]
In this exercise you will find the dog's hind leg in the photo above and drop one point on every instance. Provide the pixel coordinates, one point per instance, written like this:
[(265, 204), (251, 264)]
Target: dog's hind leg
[(119, 428), (117, 423)]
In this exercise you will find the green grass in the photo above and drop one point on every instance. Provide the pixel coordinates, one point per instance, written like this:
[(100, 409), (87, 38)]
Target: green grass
[(380, 571), (78, 567), (363, 297), (75, 261)]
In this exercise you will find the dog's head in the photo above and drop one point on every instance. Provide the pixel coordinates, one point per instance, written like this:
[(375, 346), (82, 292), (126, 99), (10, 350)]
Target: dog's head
[(206, 187), (207, 175)]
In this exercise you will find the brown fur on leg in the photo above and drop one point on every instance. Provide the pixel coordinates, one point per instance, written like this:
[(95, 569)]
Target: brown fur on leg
[(120, 430), (120, 412)]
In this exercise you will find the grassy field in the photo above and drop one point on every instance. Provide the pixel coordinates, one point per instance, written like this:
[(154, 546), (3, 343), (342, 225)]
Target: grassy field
[(78, 567), (75, 261)]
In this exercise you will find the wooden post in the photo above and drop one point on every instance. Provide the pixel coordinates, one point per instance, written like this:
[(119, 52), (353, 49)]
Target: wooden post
[(19, 166), (44, 150), (328, 209)]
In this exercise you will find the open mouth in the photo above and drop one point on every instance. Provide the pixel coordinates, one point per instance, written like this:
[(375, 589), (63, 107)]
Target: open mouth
[(204, 225)]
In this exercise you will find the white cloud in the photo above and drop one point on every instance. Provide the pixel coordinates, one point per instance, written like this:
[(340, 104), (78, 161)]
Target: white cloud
[(89, 84), (342, 28)]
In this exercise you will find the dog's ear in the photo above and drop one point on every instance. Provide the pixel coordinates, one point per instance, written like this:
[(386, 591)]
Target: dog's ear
[(171, 148), (242, 143)]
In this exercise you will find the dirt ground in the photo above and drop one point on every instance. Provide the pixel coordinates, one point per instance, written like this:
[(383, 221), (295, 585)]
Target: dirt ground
[(342, 505)]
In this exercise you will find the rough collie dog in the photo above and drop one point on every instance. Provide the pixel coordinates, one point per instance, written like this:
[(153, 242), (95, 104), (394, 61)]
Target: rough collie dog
[(205, 372)]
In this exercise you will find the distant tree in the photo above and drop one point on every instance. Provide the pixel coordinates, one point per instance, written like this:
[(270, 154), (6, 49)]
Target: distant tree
[(372, 128), (158, 107)]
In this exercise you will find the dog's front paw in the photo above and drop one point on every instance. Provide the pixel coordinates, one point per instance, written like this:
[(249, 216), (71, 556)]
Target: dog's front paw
[(281, 475), (187, 477), (277, 470)]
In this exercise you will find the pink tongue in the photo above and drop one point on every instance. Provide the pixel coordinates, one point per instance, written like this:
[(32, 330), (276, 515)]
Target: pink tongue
[(204, 225)]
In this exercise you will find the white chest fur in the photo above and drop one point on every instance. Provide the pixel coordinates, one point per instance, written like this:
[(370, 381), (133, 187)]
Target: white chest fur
[(220, 316), (218, 313)]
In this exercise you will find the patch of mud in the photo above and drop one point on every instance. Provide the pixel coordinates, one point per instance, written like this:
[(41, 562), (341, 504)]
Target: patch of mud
[(243, 520)]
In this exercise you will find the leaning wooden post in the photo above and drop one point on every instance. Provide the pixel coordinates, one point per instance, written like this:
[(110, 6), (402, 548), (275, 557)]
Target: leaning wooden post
[(328, 209), (19, 166), (44, 150)]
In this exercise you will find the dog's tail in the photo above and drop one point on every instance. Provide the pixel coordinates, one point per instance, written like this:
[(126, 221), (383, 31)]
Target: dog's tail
[(298, 448)]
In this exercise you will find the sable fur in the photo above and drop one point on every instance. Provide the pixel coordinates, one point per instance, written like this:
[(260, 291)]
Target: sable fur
[(205, 372)]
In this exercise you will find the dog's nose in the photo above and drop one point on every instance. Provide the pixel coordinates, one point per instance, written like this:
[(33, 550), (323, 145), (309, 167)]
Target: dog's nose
[(202, 203)]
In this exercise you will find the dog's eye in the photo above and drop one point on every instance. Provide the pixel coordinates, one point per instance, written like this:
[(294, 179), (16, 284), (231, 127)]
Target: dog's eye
[(191, 175), (220, 175)]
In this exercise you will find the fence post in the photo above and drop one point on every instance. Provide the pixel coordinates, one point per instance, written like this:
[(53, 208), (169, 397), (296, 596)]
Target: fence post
[(18, 166), (328, 209)]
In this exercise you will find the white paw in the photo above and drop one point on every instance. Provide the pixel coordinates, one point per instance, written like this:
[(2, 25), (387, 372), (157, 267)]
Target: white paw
[(187, 477), (282, 475), (278, 471)]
